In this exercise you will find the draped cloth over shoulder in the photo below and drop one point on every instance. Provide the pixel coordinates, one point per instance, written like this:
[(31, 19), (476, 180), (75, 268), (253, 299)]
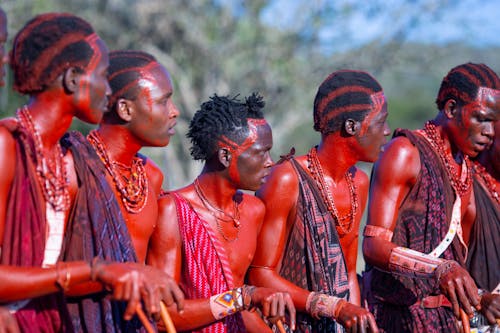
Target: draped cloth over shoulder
[(483, 261), (24, 239), (205, 270), (96, 228), (313, 257), (422, 223)]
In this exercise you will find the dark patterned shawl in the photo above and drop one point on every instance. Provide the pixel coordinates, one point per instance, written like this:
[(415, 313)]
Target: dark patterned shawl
[(313, 257), (422, 223), (96, 228), (483, 261), (24, 239)]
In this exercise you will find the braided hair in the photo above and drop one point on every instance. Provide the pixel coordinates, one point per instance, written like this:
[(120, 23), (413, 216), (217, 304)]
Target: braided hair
[(222, 116), (343, 94), (45, 47), (124, 72), (462, 83)]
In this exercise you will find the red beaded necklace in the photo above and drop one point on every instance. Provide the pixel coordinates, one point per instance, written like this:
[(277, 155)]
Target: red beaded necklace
[(316, 170), (51, 172), (133, 189), (460, 183), (487, 180)]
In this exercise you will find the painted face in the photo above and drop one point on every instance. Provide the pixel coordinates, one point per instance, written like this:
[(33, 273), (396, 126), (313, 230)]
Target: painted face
[(494, 151), (250, 168), (94, 90), (473, 127), (3, 40), (374, 129), (156, 113)]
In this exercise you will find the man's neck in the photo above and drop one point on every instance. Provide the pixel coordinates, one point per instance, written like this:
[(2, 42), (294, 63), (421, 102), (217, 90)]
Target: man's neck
[(51, 118), (120, 145)]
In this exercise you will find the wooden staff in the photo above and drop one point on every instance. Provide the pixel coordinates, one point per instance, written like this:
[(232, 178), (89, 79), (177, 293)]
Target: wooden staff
[(169, 324), (465, 321), (144, 319), (280, 326)]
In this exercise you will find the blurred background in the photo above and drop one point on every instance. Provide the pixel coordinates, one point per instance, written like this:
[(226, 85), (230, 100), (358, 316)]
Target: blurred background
[(284, 49)]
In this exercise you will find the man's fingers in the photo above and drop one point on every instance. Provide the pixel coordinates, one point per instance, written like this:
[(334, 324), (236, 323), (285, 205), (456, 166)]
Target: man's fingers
[(291, 310), (372, 324), (462, 297), (178, 296), (454, 301)]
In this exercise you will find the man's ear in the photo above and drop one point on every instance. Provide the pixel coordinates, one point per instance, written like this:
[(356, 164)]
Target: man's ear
[(352, 126), (125, 109), (71, 80), (225, 156), (450, 108)]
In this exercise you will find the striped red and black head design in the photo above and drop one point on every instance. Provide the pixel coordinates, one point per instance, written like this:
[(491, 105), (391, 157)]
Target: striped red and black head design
[(344, 94)]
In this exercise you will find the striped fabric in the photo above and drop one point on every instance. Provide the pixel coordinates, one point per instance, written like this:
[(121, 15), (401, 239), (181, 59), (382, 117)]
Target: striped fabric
[(206, 271)]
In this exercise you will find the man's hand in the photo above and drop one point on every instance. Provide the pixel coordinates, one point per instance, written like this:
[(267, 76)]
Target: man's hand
[(134, 282), (458, 286), (356, 319), (490, 307), (8, 323), (274, 304)]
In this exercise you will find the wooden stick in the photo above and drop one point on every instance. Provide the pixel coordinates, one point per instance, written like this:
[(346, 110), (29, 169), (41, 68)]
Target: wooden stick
[(144, 320), (280, 326), (465, 321), (169, 324)]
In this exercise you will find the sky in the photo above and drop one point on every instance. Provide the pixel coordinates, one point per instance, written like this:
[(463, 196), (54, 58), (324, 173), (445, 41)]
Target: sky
[(474, 22)]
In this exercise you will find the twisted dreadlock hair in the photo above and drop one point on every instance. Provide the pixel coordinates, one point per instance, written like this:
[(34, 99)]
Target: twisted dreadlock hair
[(125, 70), (343, 94), (222, 116), (45, 47), (462, 83)]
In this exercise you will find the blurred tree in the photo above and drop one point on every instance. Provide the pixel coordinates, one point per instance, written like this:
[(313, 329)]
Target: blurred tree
[(282, 49)]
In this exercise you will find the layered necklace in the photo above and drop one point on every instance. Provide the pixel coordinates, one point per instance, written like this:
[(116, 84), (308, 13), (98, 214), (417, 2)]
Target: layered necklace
[(488, 180), (460, 183), (220, 215), (130, 181), (344, 223), (51, 172)]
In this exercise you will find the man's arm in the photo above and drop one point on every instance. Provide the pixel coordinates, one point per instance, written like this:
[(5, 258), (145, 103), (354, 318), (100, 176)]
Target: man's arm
[(394, 175), (350, 241), (280, 194), (7, 165)]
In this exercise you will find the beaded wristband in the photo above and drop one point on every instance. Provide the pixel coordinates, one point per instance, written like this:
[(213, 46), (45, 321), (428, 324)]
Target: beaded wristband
[(321, 305), (412, 263), (232, 301)]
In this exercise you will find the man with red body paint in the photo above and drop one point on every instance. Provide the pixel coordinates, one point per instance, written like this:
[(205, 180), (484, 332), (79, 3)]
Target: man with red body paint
[(483, 259), (7, 322), (421, 210), (141, 113), (60, 62), (314, 203), (209, 228)]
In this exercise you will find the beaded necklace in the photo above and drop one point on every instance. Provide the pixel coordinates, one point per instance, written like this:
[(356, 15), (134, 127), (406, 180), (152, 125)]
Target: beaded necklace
[(133, 189), (51, 172), (316, 170), (220, 214), (460, 183), (487, 180)]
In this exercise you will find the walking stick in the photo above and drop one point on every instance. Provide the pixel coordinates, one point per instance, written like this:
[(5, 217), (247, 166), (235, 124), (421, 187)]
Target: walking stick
[(144, 319), (280, 326), (465, 321), (169, 324)]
